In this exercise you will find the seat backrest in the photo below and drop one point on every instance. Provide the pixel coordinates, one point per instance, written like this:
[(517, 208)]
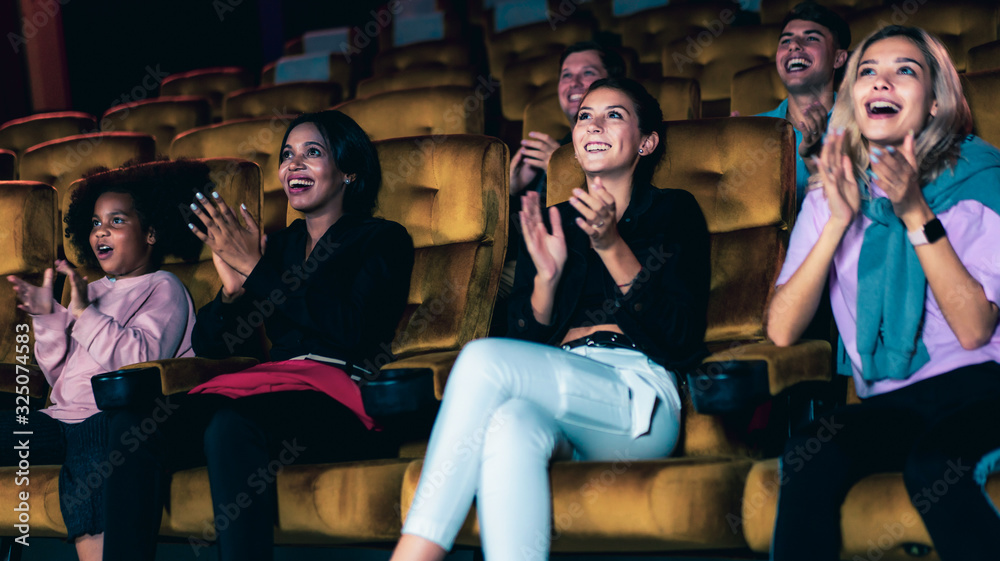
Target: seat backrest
[(450, 192), (715, 63), (257, 140), (439, 55), (27, 248), (959, 24), (332, 67), (418, 112), (20, 134), (533, 40), (162, 118), (742, 172), (236, 180), (526, 79), (774, 11), (984, 57), (8, 165), (647, 31), (982, 90), (61, 162), (756, 90), (290, 98), (212, 83), (420, 77)]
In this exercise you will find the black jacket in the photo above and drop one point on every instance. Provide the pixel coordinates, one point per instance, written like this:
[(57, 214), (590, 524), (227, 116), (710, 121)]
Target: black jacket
[(665, 311), (345, 301)]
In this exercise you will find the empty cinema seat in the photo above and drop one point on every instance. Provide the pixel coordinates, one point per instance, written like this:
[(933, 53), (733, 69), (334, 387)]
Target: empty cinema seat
[(27, 248), (984, 57), (8, 165), (960, 24), (756, 90), (163, 118), (213, 83), (525, 80), (321, 67), (257, 140), (531, 41), (61, 162), (441, 55), (20, 134), (982, 90), (418, 112), (420, 77), (714, 64), (291, 98), (648, 31)]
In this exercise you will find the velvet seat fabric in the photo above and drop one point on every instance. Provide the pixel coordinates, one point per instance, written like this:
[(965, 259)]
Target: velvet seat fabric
[(773, 11), (438, 55), (714, 64), (648, 31), (20, 134), (336, 69), (163, 118), (526, 79), (757, 90), (419, 77), (290, 98), (982, 90), (418, 112), (211, 83), (984, 57), (531, 41)]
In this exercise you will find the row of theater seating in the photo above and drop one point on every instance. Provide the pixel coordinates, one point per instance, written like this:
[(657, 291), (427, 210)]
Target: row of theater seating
[(717, 494)]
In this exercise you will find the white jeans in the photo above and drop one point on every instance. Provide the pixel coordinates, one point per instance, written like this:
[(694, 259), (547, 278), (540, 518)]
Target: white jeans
[(509, 407)]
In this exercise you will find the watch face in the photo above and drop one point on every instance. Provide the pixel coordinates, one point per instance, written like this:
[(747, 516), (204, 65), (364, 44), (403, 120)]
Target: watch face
[(934, 231)]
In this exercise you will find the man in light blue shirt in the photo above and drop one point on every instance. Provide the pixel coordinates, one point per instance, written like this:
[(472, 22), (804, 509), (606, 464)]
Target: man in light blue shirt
[(812, 46)]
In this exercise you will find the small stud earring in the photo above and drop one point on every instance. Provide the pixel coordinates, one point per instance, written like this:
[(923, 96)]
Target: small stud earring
[(347, 180), (640, 150)]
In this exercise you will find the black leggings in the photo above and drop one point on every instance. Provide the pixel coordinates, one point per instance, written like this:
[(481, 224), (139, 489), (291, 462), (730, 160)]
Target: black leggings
[(934, 431), (80, 449), (244, 442)]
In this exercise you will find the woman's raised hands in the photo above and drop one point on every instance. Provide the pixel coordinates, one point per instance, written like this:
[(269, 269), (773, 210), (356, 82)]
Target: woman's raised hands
[(548, 251)]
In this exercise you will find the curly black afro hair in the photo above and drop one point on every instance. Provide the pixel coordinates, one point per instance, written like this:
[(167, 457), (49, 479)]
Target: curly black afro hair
[(158, 190)]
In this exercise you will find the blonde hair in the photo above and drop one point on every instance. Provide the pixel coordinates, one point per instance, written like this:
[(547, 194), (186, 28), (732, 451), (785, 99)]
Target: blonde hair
[(936, 146)]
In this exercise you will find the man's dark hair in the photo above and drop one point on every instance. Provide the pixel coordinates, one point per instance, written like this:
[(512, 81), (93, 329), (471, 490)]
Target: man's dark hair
[(811, 11), (613, 62)]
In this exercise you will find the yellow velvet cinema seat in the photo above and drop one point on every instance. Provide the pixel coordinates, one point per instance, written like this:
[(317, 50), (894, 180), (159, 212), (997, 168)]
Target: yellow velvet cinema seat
[(20, 134), (680, 99), (648, 31), (234, 180), (773, 11), (982, 90), (960, 24), (422, 77), (257, 140), (531, 41), (715, 63), (424, 111), (756, 90), (741, 171), (290, 98), (984, 57), (163, 118), (878, 519), (8, 165), (213, 83), (440, 55), (61, 162), (525, 80)]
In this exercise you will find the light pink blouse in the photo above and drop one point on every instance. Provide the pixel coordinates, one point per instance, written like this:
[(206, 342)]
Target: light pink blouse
[(133, 320)]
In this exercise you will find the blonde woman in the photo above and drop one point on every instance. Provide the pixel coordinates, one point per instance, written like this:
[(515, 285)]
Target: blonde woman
[(904, 221)]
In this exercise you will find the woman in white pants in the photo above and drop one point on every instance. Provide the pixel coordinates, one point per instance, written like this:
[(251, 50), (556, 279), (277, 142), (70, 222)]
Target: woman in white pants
[(606, 310)]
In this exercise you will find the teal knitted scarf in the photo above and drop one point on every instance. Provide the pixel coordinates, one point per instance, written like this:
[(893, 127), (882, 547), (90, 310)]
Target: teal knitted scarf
[(891, 282)]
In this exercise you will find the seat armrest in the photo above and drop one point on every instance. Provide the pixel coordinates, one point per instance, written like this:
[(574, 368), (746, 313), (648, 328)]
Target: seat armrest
[(745, 375), (438, 363), (38, 387), (181, 374)]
